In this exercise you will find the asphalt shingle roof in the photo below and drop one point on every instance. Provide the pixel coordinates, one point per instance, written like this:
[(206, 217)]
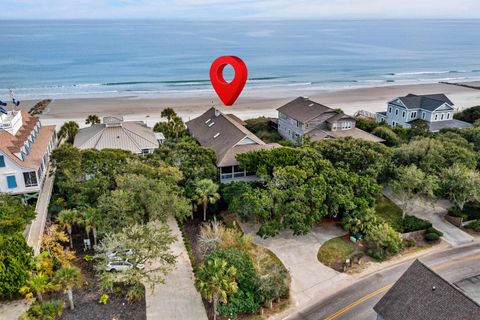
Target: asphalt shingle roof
[(428, 102), (421, 294), (303, 109)]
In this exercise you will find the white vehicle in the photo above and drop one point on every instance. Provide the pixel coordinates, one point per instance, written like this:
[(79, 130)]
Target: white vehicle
[(119, 255), (122, 266)]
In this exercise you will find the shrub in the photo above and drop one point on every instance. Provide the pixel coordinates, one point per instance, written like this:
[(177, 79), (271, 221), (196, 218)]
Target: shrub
[(49, 310), (433, 230), (412, 223), (411, 243), (474, 225), (269, 229), (382, 241), (103, 299), (247, 297), (390, 137), (274, 283), (88, 258), (431, 237)]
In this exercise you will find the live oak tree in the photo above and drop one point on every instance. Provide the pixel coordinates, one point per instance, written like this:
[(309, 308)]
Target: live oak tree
[(412, 183), (149, 244), (215, 281), (460, 185)]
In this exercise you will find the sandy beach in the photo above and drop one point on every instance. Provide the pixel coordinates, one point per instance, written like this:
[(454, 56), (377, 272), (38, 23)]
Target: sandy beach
[(250, 104)]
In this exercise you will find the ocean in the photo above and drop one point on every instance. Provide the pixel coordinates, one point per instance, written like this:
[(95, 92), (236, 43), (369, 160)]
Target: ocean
[(62, 59)]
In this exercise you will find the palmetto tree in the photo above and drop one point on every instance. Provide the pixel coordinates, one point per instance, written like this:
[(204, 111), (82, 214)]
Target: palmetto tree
[(67, 218), (205, 192), (215, 281), (68, 278), (177, 126), (38, 284), (89, 220), (168, 113), (92, 119), (68, 131)]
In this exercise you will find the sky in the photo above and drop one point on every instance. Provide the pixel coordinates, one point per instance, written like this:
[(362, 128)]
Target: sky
[(238, 9)]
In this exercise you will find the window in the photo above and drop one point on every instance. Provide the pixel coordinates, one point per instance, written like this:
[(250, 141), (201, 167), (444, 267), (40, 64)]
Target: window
[(145, 151), (396, 112), (389, 109), (413, 114), (30, 179), (2, 161), (436, 116), (441, 117), (448, 115), (299, 124), (423, 115), (403, 114), (11, 182), (393, 124)]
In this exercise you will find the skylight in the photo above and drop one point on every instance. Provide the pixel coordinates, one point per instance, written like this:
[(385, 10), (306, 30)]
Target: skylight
[(208, 121), (310, 105), (216, 135), (211, 124)]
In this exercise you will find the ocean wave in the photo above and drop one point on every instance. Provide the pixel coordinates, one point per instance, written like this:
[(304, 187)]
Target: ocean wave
[(416, 73)]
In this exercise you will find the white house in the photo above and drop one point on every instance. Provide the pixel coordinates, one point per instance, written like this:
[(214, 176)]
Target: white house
[(25, 147), (436, 110), (114, 133)]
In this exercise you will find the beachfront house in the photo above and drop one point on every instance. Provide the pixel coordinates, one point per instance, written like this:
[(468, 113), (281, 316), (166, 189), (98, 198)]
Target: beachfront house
[(302, 118), (422, 294), (227, 136), (25, 147), (115, 133), (435, 110)]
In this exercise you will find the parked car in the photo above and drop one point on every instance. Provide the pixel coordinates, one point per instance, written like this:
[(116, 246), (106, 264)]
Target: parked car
[(122, 266), (119, 255)]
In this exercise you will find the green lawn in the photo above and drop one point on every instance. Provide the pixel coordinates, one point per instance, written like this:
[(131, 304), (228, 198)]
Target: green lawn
[(335, 250), (389, 212)]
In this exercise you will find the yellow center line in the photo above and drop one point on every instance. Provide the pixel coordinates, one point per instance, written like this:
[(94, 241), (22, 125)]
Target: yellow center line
[(383, 289)]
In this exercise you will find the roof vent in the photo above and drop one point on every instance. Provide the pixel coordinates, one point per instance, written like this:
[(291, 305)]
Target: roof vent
[(217, 112), (216, 135), (211, 124), (310, 105), (434, 288), (208, 121)]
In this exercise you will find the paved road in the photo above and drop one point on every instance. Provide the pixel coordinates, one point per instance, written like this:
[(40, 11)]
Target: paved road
[(34, 231), (177, 298), (435, 214), (356, 302)]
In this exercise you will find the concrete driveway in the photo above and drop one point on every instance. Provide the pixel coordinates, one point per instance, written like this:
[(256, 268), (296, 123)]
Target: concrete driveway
[(435, 213), (310, 278)]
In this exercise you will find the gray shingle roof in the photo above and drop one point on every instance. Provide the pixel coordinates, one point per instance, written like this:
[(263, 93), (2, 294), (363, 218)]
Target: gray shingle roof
[(130, 135), (428, 102), (303, 109), (421, 294), (318, 134), (439, 125), (220, 132)]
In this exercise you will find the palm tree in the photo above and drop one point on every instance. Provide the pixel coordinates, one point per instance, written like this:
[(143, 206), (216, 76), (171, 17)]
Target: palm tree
[(68, 278), (67, 218), (38, 284), (92, 119), (205, 192), (177, 126), (68, 131), (215, 281), (89, 218), (168, 113)]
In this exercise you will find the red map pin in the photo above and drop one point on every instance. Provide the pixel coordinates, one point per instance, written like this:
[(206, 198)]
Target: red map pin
[(228, 92)]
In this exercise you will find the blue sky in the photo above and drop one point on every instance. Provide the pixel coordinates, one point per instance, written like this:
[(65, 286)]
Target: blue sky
[(238, 9)]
